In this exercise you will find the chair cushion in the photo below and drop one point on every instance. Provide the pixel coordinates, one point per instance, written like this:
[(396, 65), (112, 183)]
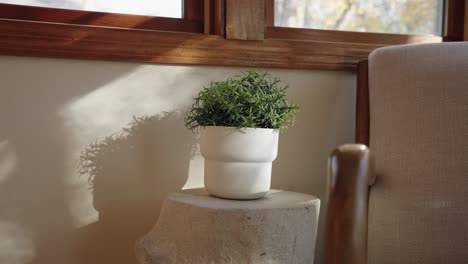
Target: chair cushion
[(418, 207)]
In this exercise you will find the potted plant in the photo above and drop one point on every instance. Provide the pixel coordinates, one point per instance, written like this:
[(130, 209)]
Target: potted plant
[(239, 121)]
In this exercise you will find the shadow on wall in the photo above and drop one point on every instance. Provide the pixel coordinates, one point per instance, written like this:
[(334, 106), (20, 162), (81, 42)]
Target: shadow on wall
[(130, 174), (35, 220), (38, 144)]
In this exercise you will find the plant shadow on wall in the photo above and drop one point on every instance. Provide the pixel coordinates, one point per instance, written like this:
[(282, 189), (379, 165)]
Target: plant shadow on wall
[(130, 174)]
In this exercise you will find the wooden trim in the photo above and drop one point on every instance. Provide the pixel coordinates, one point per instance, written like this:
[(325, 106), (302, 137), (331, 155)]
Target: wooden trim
[(270, 13), (192, 22), (348, 36), (351, 172), (25, 38), (207, 17), (362, 103), (282, 48), (245, 19), (193, 10), (219, 17), (216, 17), (455, 20), (465, 38)]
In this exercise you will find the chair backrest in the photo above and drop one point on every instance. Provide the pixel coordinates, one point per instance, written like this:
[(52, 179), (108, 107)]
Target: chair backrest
[(418, 207)]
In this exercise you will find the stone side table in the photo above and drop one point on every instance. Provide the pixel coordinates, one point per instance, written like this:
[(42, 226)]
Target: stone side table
[(195, 227)]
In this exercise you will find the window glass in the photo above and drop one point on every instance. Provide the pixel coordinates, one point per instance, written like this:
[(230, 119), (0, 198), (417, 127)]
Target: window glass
[(384, 16), (161, 8)]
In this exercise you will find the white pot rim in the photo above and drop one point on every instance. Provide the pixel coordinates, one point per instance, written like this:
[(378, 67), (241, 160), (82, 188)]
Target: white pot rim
[(237, 128)]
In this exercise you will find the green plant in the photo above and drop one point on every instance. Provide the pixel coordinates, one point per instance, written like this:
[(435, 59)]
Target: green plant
[(251, 99)]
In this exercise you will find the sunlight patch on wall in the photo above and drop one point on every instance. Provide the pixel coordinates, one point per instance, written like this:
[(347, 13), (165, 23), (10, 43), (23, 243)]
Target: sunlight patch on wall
[(16, 246), (196, 173), (8, 161)]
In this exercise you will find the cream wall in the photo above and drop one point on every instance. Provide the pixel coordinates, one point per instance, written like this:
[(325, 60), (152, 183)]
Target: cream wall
[(52, 109)]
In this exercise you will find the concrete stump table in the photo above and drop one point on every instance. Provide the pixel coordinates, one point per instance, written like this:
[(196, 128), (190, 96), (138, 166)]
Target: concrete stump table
[(195, 227)]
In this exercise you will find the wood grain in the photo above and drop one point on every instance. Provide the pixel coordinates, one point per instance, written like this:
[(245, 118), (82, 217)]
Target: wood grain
[(362, 103), (219, 17), (282, 48), (348, 36), (82, 42), (245, 19), (269, 13), (215, 18), (207, 18)]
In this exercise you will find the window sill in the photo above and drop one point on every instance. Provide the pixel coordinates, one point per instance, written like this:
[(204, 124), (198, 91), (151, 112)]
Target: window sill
[(348, 36), (23, 38)]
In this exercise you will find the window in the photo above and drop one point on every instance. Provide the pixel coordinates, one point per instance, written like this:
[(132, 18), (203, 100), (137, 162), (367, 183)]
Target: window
[(174, 15), (381, 16), (160, 8), (197, 37)]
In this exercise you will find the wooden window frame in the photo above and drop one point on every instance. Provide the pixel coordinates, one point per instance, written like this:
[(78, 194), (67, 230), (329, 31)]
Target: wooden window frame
[(192, 20), (453, 7), (454, 21), (280, 47)]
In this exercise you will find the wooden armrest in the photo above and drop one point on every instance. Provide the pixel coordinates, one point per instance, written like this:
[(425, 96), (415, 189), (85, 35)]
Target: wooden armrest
[(351, 172)]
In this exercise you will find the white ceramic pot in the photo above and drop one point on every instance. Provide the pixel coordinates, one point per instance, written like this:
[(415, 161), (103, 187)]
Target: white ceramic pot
[(238, 161)]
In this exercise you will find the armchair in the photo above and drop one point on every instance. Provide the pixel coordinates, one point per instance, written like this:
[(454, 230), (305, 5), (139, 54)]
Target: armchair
[(416, 128)]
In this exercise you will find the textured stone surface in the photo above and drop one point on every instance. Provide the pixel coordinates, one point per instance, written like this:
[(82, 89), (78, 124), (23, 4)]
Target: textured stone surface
[(195, 227)]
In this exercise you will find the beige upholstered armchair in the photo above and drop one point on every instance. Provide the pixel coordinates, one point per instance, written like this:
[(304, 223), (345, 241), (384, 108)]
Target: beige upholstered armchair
[(411, 205)]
